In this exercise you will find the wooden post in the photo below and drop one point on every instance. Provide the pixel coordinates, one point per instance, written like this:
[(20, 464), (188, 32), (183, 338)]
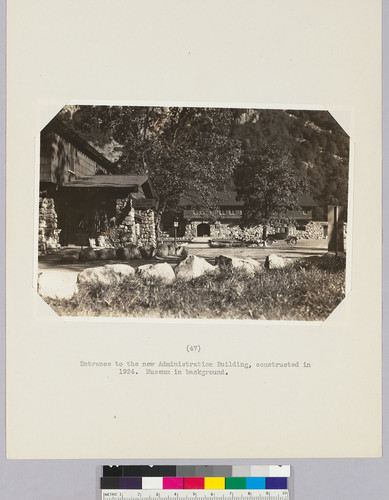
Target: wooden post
[(335, 228)]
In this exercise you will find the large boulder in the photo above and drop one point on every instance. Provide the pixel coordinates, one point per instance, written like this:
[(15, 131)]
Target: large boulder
[(87, 254), (147, 252), (162, 271), (55, 284), (106, 253), (129, 252), (274, 261), (193, 267), (110, 274), (250, 266)]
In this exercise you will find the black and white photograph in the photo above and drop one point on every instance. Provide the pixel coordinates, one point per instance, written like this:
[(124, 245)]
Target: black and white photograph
[(193, 212)]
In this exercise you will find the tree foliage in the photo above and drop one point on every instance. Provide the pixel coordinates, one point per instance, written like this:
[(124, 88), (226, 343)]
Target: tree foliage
[(198, 149), (180, 148), (269, 184)]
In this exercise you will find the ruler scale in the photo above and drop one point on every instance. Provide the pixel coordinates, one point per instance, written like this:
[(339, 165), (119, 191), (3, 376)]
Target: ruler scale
[(195, 494)]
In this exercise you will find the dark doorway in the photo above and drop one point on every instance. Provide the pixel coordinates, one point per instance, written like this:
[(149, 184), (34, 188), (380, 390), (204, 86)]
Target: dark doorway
[(203, 230)]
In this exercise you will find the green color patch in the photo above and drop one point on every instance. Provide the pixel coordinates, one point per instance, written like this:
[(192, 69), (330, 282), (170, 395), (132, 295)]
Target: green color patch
[(235, 483)]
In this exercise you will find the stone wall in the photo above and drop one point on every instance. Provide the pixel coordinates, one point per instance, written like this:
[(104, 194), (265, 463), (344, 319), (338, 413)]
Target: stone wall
[(48, 232), (313, 230), (128, 230), (220, 230), (147, 234)]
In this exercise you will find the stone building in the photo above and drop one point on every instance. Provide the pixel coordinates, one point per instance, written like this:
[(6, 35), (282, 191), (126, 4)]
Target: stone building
[(218, 223), (81, 200)]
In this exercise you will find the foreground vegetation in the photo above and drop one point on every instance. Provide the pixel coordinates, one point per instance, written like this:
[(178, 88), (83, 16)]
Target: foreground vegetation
[(307, 290)]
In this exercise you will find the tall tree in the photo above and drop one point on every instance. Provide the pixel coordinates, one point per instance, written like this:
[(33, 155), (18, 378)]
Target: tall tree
[(180, 148), (269, 184)]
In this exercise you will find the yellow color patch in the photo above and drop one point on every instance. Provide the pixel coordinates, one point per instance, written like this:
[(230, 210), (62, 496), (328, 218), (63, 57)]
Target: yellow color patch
[(214, 483)]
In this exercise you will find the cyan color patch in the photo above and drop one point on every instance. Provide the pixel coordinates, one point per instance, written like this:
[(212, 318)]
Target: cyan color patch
[(256, 483)]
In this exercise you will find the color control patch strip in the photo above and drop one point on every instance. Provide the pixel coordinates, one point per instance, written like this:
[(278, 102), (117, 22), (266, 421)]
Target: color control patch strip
[(193, 483), (206, 477)]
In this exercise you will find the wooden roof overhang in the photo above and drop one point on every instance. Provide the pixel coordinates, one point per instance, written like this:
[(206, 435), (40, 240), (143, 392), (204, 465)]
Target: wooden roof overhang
[(59, 127), (113, 186)]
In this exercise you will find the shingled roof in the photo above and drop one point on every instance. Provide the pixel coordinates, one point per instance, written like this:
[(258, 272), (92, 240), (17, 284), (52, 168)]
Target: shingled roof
[(227, 198), (130, 181)]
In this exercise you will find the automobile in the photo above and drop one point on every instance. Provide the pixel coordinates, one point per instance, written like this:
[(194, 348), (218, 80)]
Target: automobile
[(273, 238)]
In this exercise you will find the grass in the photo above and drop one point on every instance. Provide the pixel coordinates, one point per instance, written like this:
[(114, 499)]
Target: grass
[(310, 290)]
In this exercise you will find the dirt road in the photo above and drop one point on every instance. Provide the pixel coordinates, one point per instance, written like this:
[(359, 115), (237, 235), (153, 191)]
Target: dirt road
[(304, 248)]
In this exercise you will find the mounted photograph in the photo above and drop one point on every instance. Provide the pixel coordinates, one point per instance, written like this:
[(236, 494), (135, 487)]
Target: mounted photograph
[(193, 212)]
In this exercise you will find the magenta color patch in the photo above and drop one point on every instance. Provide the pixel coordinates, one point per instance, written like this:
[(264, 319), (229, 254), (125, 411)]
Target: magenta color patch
[(173, 483)]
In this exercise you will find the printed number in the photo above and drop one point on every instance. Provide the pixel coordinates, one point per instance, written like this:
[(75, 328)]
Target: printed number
[(127, 371), (193, 348)]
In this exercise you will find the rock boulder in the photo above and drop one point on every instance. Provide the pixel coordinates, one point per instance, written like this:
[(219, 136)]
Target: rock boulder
[(110, 274), (106, 253), (87, 254), (274, 261), (182, 251), (163, 271), (193, 267), (163, 250), (129, 252), (250, 266), (147, 252)]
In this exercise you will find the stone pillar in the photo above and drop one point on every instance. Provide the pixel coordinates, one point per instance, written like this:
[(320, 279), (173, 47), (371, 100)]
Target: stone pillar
[(48, 232), (125, 229), (147, 236)]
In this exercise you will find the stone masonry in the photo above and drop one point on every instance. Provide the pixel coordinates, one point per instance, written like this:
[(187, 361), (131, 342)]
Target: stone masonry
[(48, 232), (147, 234), (134, 227)]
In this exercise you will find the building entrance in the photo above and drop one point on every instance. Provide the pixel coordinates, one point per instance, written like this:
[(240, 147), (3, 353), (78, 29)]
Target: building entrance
[(203, 230)]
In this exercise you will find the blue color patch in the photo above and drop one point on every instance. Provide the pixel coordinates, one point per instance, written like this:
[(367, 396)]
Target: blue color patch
[(255, 483), (276, 483)]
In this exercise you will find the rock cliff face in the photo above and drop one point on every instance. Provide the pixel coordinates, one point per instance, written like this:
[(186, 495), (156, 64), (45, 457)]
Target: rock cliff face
[(317, 143)]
